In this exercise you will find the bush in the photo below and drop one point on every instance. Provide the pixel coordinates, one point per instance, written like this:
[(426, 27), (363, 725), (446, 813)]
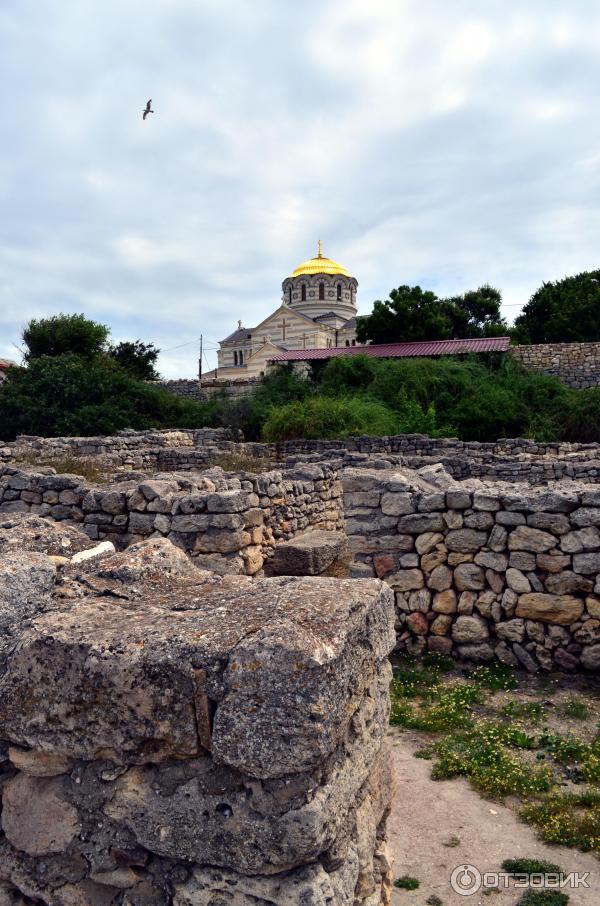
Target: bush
[(74, 395), (325, 417)]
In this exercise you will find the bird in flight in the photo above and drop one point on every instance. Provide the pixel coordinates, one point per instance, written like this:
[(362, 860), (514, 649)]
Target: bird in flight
[(148, 109)]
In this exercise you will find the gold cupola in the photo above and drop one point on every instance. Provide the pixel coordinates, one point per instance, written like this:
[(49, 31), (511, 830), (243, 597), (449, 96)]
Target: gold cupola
[(320, 265)]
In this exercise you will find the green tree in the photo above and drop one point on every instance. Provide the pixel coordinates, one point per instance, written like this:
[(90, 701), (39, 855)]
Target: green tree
[(566, 311), (64, 335), (411, 314), (137, 359), (476, 314), (75, 395)]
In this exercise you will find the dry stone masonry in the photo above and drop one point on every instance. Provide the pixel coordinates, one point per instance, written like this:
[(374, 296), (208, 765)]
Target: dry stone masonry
[(482, 571), (168, 735), (576, 364), (227, 523)]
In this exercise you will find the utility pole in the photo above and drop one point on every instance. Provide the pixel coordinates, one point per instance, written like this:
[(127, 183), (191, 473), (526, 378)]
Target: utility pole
[(200, 363)]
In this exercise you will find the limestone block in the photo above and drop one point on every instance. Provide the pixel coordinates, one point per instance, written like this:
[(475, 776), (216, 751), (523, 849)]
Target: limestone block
[(567, 582), (550, 608), (557, 523), (587, 564), (585, 539), (406, 579), (517, 581), (440, 579), (495, 561), (469, 577), (396, 504), (470, 629), (465, 540), (445, 602), (524, 538), (281, 657), (590, 657), (309, 554), (427, 542), (586, 516), (511, 631), (419, 523), (37, 818)]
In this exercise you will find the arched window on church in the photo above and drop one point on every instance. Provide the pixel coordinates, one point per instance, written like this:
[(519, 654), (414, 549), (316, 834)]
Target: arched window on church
[(321, 290), (241, 357), (339, 290), (304, 292), (347, 342), (235, 357), (290, 295)]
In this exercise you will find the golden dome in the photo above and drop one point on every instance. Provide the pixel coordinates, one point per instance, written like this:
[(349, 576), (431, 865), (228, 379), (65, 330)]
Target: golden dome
[(320, 265)]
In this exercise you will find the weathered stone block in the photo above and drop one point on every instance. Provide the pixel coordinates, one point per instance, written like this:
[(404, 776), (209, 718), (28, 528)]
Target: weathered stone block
[(550, 608)]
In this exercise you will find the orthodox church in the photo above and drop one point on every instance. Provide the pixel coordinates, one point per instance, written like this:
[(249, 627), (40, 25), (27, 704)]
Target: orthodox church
[(317, 311)]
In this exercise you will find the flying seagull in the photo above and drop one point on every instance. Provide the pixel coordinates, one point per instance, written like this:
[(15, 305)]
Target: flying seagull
[(148, 109)]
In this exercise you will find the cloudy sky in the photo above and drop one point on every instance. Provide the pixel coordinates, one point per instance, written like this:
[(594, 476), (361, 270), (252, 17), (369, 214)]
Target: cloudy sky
[(433, 142)]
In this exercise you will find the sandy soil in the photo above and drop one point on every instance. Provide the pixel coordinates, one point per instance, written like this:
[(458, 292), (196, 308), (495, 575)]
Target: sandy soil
[(427, 814)]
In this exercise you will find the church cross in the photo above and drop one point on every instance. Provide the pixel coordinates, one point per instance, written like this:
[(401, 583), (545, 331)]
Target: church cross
[(283, 326), (304, 339)]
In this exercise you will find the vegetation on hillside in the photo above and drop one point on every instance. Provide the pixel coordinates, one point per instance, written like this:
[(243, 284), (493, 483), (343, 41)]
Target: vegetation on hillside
[(411, 313), (75, 383), (565, 311)]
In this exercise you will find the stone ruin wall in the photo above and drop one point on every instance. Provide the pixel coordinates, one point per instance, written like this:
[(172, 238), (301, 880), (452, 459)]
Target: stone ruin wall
[(576, 364), (504, 460), (225, 523), (168, 736), (500, 571)]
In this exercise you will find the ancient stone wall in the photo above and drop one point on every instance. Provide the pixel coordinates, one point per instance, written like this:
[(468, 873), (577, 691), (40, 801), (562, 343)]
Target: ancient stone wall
[(226, 523), (506, 459), (576, 364), (168, 736), (500, 571)]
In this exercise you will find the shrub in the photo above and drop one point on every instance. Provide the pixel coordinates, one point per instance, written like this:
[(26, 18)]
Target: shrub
[(74, 395), (325, 417)]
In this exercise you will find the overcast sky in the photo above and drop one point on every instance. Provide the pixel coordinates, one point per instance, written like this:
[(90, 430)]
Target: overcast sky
[(433, 142)]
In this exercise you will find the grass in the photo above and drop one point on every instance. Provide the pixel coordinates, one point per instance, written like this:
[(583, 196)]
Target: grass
[(577, 709), (531, 867), (242, 462), (68, 465), (407, 883), (543, 898), (475, 728)]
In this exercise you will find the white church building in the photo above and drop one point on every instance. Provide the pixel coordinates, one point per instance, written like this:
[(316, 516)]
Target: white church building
[(317, 311)]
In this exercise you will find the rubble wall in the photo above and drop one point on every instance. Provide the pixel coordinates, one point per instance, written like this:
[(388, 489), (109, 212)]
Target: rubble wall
[(576, 364), (505, 572), (168, 736), (224, 522)]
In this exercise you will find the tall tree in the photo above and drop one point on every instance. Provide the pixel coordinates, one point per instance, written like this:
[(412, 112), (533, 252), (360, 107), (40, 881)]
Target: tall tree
[(411, 313), (64, 335), (137, 359), (566, 311)]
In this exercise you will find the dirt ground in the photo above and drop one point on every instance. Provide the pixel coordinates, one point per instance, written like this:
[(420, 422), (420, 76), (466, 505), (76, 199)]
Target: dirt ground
[(427, 815)]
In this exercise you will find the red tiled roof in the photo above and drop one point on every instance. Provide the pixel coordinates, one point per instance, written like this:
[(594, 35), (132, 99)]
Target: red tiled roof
[(399, 350)]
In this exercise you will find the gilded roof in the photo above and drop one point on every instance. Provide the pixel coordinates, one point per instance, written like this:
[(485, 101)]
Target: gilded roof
[(320, 265)]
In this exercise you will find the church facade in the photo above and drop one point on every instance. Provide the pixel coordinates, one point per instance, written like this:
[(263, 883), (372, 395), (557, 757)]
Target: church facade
[(317, 311)]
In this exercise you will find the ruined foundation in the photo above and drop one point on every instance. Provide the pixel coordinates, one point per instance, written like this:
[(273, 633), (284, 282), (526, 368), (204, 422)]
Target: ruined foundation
[(172, 736)]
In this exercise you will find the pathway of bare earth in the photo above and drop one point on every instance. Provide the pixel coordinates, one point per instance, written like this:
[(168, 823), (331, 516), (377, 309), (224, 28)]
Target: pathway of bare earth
[(436, 826)]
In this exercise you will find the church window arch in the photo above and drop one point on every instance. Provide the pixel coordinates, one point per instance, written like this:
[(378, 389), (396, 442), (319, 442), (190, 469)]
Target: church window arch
[(339, 290), (235, 357), (290, 295), (241, 357), (347, 342), (303, 292), (321, 290)]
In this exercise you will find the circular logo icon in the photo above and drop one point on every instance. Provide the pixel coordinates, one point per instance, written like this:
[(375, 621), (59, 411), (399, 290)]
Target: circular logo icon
[(465, 880)]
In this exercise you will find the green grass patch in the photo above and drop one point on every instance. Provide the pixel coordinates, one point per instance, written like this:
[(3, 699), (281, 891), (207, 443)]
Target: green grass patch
[(444, 708), (568, 819), (407, 883), (531, 867), (543, 898), (496, 677), (531, 712), (482, 755), (576, 708)]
